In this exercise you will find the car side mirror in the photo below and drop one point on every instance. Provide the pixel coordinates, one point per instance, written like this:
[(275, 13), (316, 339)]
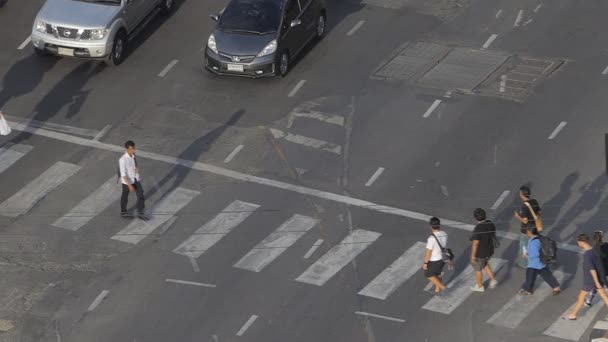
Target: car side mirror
[(295, 23), (214, 17)]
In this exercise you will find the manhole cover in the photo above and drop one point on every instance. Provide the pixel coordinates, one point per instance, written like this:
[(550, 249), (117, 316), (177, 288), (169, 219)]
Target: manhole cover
[(411, 61)]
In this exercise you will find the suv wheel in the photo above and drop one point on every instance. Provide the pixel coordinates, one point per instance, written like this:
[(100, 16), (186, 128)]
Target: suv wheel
[(283, 64), (118, 49), (39, 52), (166, 6), (321, 26)]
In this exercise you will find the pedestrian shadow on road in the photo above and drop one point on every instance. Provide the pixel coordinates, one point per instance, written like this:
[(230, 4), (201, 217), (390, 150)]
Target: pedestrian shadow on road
[(553, 207), (24, 76)]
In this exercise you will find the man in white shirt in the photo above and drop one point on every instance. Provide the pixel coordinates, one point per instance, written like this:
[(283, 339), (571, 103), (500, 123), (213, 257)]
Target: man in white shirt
[(129, 174), (433, 258)]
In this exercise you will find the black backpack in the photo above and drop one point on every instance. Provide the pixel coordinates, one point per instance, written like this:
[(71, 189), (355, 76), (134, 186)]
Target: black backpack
[(548, 250)]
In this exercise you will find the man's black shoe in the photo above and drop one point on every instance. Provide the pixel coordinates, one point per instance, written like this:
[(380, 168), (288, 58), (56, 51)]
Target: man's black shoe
[(126, 215), (142, 217)]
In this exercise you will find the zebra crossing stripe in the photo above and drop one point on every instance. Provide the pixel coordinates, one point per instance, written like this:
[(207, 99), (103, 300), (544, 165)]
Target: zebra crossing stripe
[(213, 231), (396, 274), (574, 330), (519, 307), (92, 205), (26, 198), (163, 211), (276, 243), (11, 153), (459, 290), (338, 257)]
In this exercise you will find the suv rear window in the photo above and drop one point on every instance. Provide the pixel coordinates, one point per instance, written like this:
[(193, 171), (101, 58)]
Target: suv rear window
[(254, 16)]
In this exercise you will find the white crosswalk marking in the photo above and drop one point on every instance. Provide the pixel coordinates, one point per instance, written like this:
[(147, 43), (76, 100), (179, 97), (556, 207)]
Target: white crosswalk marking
[(213, 231), (92, 205), (316, 115), (163, 211), (396, 274), (306, 141), (338, 257), (574, 330), (276, 243), (26, 198), (11, 153), (459, 290), (519, 307)]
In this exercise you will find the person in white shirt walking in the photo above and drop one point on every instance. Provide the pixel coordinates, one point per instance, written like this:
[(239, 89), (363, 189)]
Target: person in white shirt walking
[(129, 174), (433, 258)]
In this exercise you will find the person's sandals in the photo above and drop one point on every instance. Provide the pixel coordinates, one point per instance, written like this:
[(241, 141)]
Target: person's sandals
[(556, 292), (524, 293), (568, 318)]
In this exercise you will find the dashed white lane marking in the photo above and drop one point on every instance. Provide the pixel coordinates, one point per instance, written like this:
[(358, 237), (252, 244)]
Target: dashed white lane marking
[(557, 130), (355, 28), (295, 89), (520, 16), (306, 141), (503, 83), (499, 13), (241, 176), (374, 176), (25, 42), (185, 282), (538, 8), (500, 199), (329, 118), (363, 313), (313, 248), (431, 108), (444, 190), (102, 133), (247, 325), (605, 71), (233, 154), (194, 264), (489, 41), (167, 68), (98, 300)]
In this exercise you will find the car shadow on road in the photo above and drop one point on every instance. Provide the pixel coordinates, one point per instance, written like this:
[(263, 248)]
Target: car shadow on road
[(24, 76)]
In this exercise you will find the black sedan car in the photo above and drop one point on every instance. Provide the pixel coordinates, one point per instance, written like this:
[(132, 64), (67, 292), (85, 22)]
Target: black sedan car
[(258, 38)]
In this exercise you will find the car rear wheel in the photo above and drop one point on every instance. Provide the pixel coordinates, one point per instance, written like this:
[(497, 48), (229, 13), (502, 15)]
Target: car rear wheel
[(283, 64), (321, 26), (118, 49), (166, 6)]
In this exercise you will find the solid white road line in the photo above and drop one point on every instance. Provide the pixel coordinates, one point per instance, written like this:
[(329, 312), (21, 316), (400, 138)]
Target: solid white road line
[(605, 72), (500, 199), (25, 42), (459, 290), (26, 198), (295, 89), (162, 212), (92, 205), (329, 118), (520, 16), (244, 177), (233, 154), (503, 83), (519, 307), (194, 264), (102, 133), (276, 243), (574, 330), (499, 13), (363, 313), (396, 274), (14, 121), (11, 153), (306, 141), (213, 231), (185, 282), (431, 109), (98, 300), (313, 248), (338, 257), (355, 28), (557, 130), (167, 68), (247, 325), (374, 176), (489, 41)]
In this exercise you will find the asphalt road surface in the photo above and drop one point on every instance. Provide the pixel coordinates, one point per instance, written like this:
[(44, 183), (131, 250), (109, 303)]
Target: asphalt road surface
[(294, 209)]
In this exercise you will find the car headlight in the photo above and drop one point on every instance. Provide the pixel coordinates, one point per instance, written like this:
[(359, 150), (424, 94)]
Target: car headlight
[(211, 43), (98, 33), (270, 48), (41, 26)]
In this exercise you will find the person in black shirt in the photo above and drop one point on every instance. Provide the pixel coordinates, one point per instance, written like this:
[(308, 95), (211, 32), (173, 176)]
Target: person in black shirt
[(482, 249), (601, 249), (526, 219)]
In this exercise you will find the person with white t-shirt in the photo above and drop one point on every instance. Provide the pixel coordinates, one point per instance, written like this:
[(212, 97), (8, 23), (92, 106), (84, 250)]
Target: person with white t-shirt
[(433, 258)]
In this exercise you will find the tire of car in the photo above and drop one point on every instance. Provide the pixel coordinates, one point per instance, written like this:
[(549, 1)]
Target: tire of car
[(321, 25), (40, 52), (117, 55), (166, 6), (283, 63)]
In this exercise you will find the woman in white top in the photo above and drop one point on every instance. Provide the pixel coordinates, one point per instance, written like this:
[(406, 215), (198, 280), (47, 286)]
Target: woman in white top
[(433, 258)]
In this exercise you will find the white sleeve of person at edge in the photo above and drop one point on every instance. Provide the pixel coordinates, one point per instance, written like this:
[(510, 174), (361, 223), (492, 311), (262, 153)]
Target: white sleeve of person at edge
[(4, 127)]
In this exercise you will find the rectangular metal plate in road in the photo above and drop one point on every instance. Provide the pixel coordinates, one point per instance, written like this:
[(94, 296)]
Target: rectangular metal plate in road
[(411, 61)]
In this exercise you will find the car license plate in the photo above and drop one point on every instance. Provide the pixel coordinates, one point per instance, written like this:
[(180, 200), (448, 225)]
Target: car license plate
[(65, 52), (235, 67)]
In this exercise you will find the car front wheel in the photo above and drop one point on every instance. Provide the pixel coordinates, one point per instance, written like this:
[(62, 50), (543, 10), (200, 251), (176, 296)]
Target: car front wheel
[(283, 64), (118, 49)]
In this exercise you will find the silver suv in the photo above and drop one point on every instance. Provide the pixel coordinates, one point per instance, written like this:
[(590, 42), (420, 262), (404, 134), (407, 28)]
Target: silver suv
[(97, 29)]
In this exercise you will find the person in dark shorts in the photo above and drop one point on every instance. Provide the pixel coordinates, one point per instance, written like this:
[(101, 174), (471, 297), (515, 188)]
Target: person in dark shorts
[(525, 217), (601, 248), (594, 277), (433, 258), (482, 249), (537, 267)]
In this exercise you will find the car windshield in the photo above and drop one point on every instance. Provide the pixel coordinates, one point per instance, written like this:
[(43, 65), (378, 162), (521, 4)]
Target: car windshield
[(251, 16)]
